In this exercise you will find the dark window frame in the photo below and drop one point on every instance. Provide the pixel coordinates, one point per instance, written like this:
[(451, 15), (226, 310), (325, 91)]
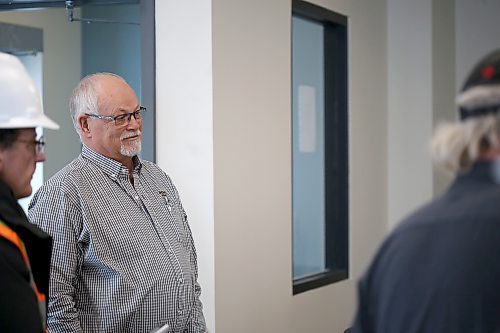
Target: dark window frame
[(336, 146)]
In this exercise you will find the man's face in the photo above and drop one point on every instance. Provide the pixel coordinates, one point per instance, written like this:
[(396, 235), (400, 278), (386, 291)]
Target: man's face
[(18, 163), (118, 142)]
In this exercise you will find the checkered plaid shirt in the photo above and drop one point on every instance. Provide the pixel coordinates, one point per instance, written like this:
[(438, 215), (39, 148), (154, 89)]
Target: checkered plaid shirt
[(123, 257)]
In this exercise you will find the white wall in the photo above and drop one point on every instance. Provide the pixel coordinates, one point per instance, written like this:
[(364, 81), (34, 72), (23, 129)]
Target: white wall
[(184, 128), (224, 134), (61, 72)]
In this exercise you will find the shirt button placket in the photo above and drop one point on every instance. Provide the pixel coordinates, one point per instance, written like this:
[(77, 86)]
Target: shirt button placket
[(182, 297)]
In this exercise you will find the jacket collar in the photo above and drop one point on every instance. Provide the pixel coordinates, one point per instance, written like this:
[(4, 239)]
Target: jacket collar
[(10, 211)]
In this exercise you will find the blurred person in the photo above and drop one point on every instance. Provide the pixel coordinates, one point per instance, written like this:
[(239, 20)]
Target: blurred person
[(439, 270), (25, 250), (124, 259)]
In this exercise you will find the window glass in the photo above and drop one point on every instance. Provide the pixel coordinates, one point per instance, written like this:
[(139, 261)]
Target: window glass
[(308, 148)]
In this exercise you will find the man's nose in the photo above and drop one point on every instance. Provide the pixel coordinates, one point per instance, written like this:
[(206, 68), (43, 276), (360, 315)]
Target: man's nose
[(40, 157), (134, 123)]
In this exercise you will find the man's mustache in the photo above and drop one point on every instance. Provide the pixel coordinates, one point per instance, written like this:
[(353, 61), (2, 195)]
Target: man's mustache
[(130, 134)]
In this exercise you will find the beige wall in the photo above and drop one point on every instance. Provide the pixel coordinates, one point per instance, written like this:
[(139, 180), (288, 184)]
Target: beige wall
[(61, 72), (252, 165)]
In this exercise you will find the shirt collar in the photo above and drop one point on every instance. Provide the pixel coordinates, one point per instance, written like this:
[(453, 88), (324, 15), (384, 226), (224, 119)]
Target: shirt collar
[(108, 165)]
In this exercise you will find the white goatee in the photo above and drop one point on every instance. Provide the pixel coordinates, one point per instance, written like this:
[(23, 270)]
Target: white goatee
[(130, 148)]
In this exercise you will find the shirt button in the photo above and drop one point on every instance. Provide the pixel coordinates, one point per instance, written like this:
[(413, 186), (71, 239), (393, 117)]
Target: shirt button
[(136, 197), (169, 208), (113, 175), (181, 281)]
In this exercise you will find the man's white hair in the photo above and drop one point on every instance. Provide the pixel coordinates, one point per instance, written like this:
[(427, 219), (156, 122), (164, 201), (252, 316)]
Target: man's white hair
[(456, 146), (84, 98)]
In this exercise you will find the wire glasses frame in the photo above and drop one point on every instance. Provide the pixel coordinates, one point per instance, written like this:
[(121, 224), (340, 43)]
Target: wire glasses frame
[(39, 144), (122, 119)]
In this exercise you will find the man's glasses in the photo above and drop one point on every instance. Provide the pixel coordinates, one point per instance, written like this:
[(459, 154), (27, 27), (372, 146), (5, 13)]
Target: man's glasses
[(39, 144), (122, 119)]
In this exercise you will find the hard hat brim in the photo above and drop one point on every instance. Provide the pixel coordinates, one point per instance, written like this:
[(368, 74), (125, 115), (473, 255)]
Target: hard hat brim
[(40, 120)]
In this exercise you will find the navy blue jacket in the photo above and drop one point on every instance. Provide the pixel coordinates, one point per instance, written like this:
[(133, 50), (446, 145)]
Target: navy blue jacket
[(439, 271)]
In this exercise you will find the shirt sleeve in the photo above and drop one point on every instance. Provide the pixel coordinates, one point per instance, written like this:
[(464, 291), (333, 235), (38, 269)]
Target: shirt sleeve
[(52, 210)]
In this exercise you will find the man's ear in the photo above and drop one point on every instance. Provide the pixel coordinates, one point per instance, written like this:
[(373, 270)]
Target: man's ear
[(84, 125)]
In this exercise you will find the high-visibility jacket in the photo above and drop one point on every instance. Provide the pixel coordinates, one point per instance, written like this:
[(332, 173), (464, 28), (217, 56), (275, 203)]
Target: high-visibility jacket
[(11, 236), (25, 253)]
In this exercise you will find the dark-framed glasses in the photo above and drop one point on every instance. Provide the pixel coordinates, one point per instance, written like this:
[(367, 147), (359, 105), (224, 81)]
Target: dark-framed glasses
[(39, 144), (121, 119)]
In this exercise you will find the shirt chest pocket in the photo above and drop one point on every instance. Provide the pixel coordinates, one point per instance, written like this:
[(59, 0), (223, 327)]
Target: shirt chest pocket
[(177, 221), (125, 238)]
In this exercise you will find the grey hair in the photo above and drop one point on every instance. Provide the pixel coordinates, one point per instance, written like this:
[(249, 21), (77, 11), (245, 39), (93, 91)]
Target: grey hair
[(456, 146), (84, 98)]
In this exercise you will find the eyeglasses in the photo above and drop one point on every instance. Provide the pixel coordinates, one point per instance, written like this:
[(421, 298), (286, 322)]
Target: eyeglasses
[(122, 119), (39, 144)]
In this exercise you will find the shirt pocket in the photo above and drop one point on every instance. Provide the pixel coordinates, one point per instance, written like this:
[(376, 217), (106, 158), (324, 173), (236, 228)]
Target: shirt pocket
[(178, 221)]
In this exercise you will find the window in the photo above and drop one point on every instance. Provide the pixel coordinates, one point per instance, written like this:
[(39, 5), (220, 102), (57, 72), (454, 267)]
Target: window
[(320, 147)]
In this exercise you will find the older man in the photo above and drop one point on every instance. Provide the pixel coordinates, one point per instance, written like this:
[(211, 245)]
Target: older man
[(24, 249), (439, 271), (124, 258)]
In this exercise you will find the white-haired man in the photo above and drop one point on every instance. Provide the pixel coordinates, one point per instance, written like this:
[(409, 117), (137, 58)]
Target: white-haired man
[(439, 270), (124, 258)]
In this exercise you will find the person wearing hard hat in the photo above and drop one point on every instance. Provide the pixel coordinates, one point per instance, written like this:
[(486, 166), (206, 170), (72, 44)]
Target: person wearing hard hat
[(439, 270), (25, 250)]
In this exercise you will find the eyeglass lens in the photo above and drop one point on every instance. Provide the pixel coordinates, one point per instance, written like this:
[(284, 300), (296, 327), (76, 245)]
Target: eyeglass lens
[(125, 118)]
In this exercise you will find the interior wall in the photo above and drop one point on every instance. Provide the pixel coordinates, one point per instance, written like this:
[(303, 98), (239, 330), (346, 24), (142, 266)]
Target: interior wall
[(410, 105), (252, 165), (61, 72), (391, 119), (184, 124), (116, 48), (477, 33), (113, 47), (227, 145)]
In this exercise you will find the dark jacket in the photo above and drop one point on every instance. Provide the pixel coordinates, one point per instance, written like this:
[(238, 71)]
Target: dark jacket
[(439, 271), (19, 308)]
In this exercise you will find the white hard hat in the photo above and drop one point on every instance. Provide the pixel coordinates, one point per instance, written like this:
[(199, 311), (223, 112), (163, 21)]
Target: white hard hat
[(20, 105)]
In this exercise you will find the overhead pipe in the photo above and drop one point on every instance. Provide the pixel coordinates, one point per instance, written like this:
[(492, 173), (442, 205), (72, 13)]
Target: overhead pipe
[(72, 18)]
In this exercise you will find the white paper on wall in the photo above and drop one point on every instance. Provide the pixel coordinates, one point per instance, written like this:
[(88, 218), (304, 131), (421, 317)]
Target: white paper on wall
[(307, 119)]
